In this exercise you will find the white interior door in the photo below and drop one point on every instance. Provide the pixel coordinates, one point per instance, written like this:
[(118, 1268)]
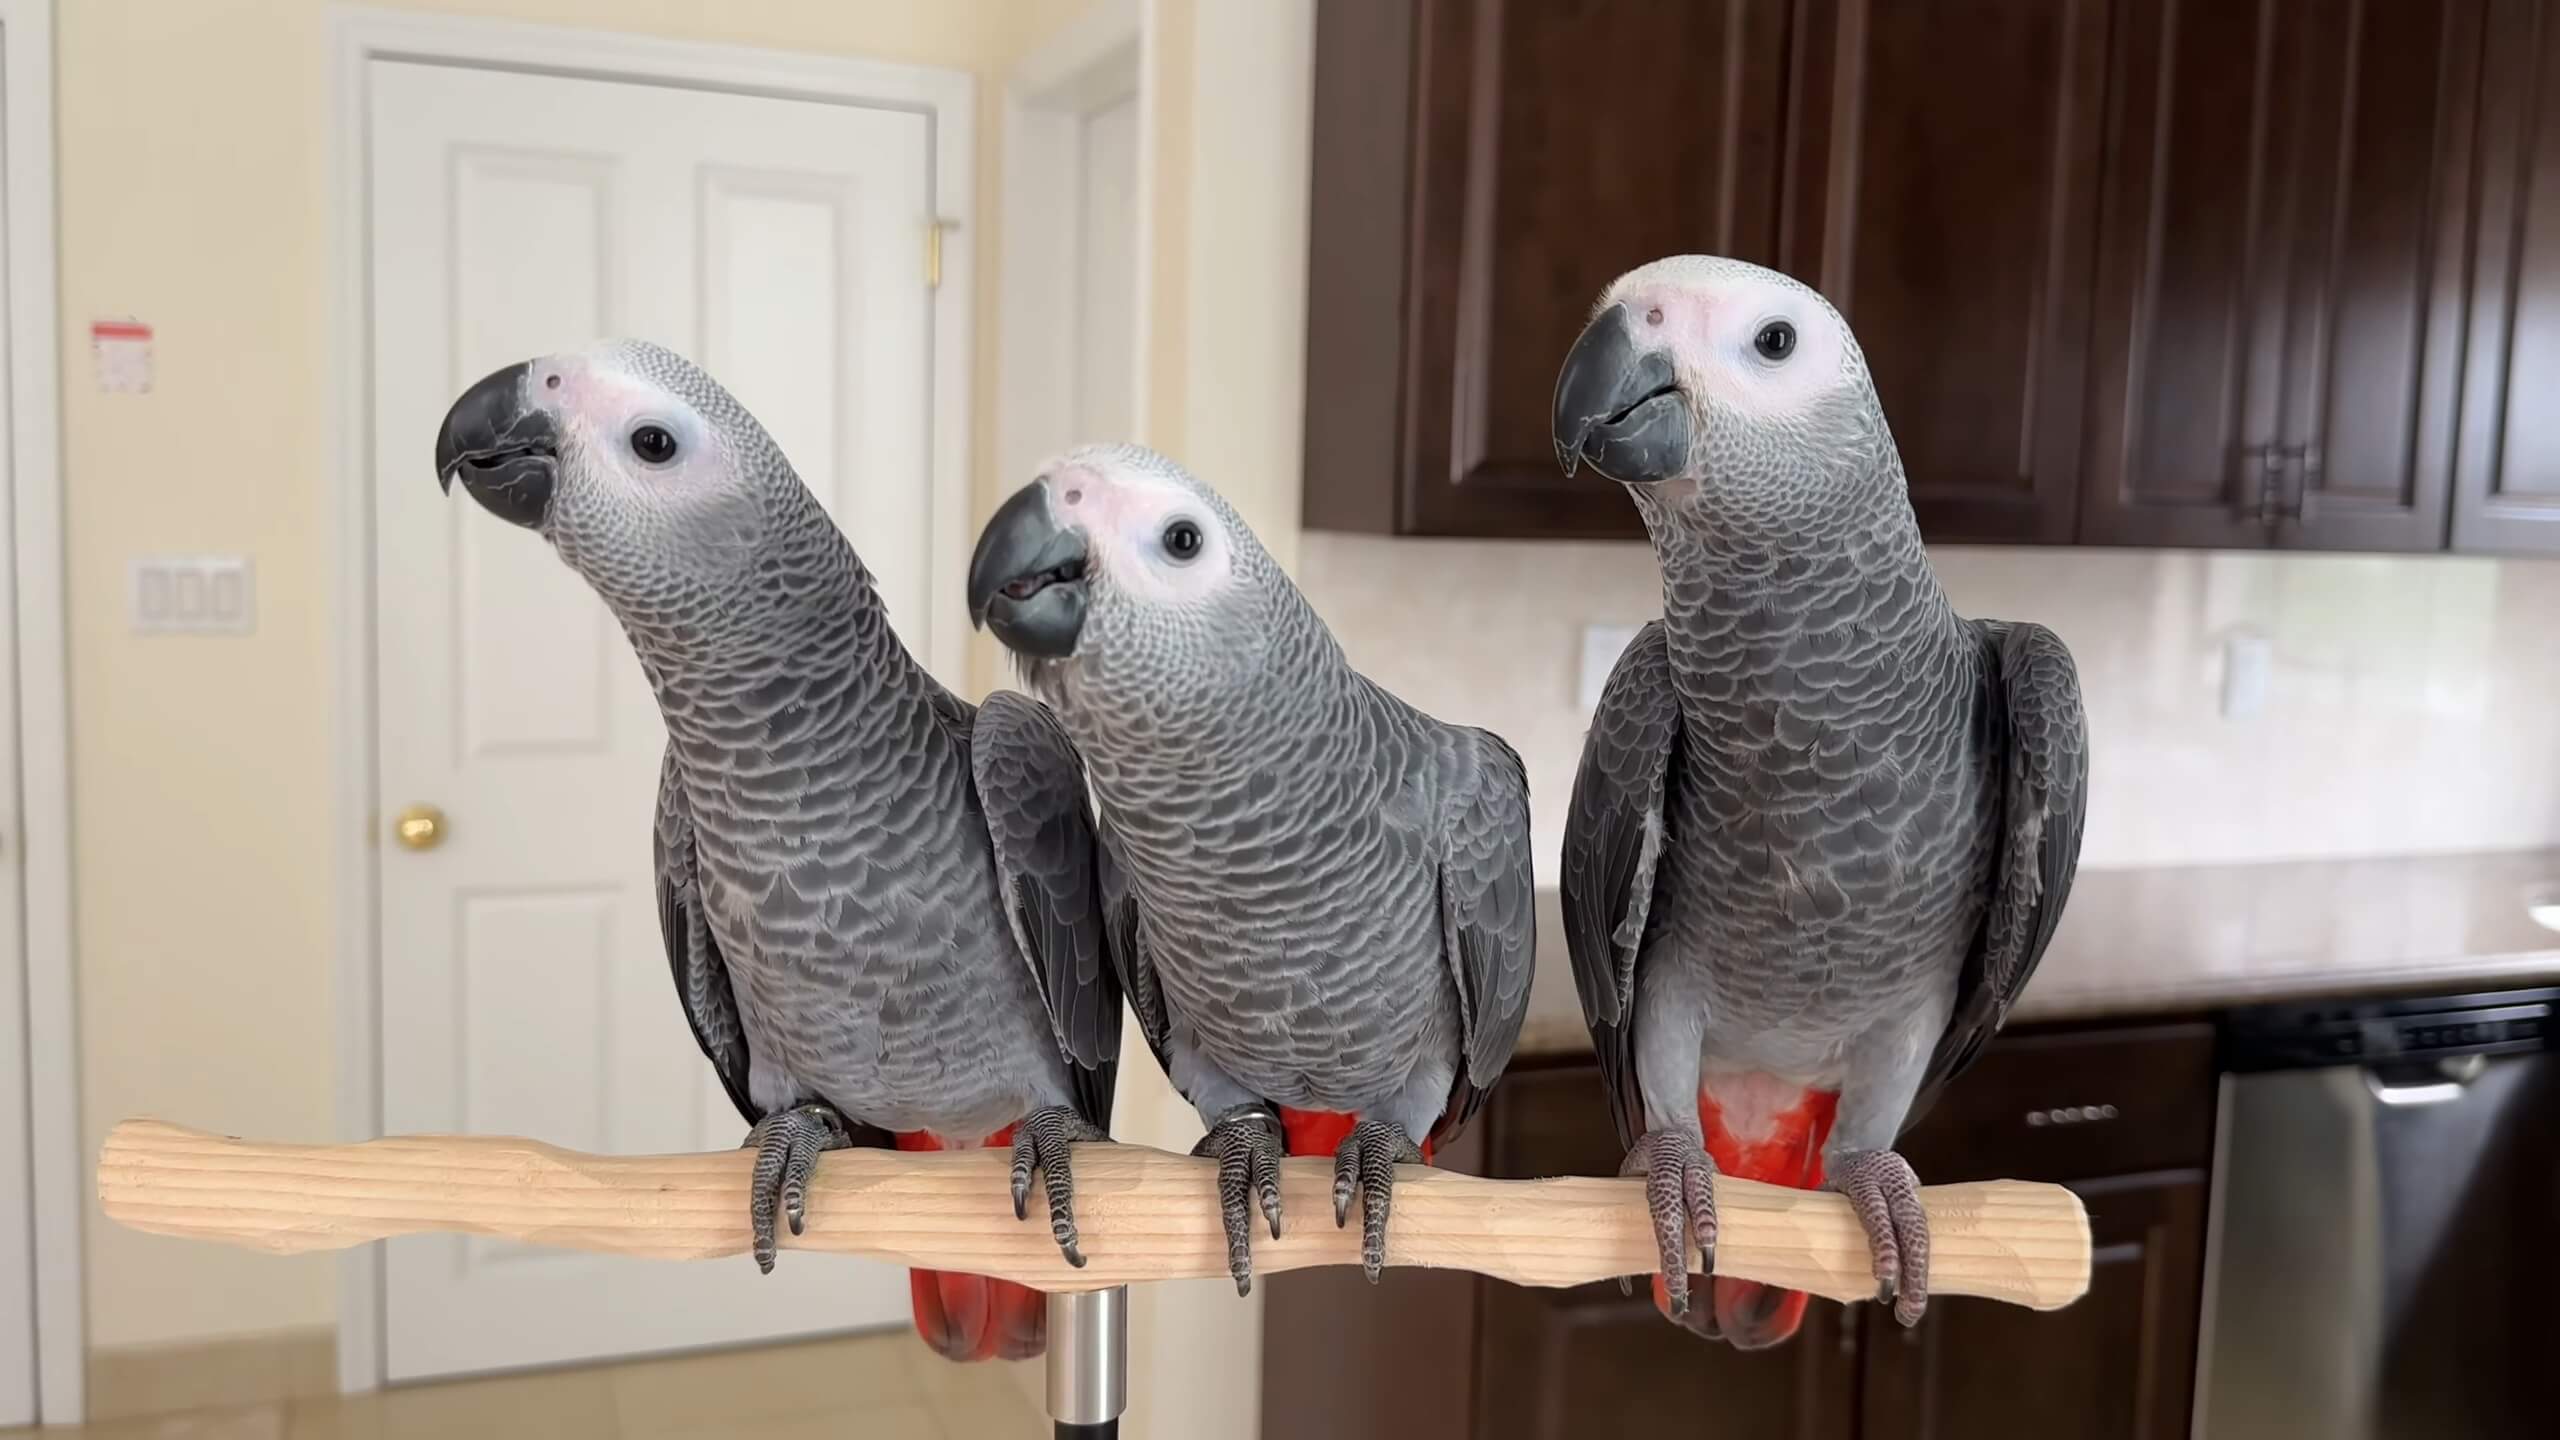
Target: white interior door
[(523, 987), (17, 1169)]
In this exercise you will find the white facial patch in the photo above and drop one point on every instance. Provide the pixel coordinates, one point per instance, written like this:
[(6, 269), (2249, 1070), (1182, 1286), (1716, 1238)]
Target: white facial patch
[(1128, 518), (1711, 315), (604, 405)]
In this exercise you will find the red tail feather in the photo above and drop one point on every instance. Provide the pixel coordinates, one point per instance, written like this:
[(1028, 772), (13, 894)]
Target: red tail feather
[(972, 1317), (1320, 1132), (1761, 1129)]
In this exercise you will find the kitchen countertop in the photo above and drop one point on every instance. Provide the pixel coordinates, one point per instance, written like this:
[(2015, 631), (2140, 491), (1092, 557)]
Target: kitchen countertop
[(2149, 942)]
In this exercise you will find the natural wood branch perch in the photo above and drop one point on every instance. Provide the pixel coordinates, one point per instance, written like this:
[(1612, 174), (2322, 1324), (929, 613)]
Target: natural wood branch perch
[(1144, 1214)]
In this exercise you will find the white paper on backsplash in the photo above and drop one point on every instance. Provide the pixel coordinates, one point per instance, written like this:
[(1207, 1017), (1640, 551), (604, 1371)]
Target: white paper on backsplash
[(2413, 702)]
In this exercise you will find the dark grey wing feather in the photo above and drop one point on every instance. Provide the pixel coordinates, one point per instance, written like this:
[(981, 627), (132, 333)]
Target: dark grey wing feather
[(2042, 752), (702, 976), (1031, 786), (1488, 913), (1614, 833), (1129, 950)]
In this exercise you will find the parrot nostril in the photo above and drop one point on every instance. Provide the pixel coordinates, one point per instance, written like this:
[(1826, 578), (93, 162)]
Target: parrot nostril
[(1653, 316), (1074, 495), (550, 382)]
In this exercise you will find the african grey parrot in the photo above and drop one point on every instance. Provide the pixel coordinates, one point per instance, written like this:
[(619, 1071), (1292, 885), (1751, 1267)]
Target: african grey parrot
[(1824, 826), (881, 905), (1321, 896)]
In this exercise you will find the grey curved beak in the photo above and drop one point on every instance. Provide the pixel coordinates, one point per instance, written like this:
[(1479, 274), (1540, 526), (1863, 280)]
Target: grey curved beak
[(1620, 407), (502, 446), (1027, 578)]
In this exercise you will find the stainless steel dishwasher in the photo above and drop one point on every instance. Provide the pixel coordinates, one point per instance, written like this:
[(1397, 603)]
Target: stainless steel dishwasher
[(2383, 1258)]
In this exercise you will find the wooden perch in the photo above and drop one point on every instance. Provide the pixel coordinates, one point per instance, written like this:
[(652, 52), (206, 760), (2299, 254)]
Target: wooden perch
[(1144, 1214)]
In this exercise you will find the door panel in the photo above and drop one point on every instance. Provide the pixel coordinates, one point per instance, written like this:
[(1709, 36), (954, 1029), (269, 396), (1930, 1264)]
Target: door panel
[(2187, 354), (524, 988), (17, 1169), (1955, 224), (2374, 328), (2507, 495)]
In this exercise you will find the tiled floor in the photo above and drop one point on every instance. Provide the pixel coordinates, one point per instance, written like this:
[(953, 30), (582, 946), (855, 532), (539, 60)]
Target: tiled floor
[(876, 1387)]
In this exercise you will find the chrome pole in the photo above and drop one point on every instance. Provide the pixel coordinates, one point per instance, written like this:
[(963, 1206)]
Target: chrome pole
[(1089, 1362)]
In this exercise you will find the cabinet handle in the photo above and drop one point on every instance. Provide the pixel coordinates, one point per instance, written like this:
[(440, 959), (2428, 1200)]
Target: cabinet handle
[(2307, 472), (2070, 1115), (2270, 463)]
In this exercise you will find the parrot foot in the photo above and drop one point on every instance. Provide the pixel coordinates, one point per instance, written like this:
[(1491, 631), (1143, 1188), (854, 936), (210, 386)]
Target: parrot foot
[(787, 1145), (1886, 1195), (1246, 1145), (1680, 1190), (1365, 1164), (1040, 1143)]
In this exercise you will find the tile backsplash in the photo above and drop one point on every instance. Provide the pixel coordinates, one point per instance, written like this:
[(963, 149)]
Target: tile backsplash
[(2412, 703)]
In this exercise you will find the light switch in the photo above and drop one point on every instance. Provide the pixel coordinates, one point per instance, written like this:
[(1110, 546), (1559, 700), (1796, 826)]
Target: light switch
[(1601, 646), (193, 595), (2248, 665)]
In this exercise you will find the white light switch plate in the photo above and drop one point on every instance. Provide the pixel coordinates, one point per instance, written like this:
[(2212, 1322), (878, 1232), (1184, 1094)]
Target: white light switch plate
[(1601, 646), (2248, 660), (193, 595)]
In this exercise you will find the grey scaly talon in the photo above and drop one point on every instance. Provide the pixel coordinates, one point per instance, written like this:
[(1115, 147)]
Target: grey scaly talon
[(1367, 1161), (1680, 1191), (1040, 1144), (1880, 1186), (787, 1145), (1246, 1144)]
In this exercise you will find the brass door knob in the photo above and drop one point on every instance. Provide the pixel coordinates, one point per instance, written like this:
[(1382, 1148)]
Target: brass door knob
[(420, 827)]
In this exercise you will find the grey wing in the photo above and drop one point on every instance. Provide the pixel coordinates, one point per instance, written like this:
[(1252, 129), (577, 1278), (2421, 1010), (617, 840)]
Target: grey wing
[(1614, 833), (1129, 951), (2043, 766), (1031, 786), (1488, 912), (702, 976)]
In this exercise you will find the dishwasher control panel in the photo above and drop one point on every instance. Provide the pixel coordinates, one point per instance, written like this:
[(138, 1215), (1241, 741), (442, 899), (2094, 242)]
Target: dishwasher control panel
[(2369, 1032)]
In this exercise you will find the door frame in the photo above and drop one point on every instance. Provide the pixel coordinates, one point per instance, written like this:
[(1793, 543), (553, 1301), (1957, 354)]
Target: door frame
[(60, 1179), (947, 100), (1096, 61)]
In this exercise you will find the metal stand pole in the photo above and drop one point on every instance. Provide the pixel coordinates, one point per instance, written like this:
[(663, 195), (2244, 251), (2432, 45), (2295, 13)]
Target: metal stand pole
[(1089, 1362)]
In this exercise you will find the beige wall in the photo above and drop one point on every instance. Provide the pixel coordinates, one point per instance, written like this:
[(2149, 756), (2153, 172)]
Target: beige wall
[(195, 195)]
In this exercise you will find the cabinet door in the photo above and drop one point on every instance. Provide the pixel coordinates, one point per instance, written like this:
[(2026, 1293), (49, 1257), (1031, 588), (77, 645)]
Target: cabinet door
[(1590, 1361), (1953, 220), (1549, 148), (2507, 491), (2374, 322), (2187, 353), (2119, 1364)]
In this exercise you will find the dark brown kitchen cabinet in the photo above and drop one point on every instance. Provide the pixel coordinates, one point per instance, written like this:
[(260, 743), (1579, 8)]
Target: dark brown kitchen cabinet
[(1482, 171), (2280, 301), (1476, 187), (2234, 273), (2123, 1114), (2117, 1365), (1945, 200), (2507, 490)]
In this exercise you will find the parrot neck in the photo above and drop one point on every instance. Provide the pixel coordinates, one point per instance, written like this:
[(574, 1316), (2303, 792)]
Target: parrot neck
[(1762, 628), (799, 646)]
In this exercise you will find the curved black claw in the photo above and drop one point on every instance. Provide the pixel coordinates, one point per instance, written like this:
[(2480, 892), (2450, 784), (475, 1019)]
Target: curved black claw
[(1246, 1145), (1886, 1195), (1680, 1190), (1040, 1143), (1366, 1163), (787, 1145)]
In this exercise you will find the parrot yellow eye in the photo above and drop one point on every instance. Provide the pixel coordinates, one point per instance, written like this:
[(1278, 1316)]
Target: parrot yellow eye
[(1776, 340), (655, 444), (1182, 540)]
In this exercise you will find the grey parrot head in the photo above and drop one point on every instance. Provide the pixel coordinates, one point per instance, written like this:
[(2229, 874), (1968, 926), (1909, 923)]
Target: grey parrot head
[(650, 479), (1118, 572), (1726, 397)]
